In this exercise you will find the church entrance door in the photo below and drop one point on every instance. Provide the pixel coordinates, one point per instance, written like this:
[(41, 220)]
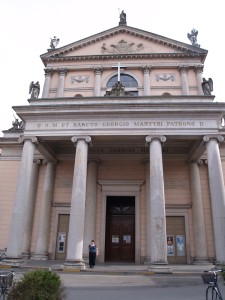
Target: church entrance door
[(120, 229)]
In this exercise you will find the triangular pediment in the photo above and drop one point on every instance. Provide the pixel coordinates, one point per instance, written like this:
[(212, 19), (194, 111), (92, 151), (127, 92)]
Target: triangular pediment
[(123, 40)]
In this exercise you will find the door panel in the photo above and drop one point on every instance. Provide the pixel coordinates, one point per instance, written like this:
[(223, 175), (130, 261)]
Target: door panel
[(120, 238), (61, 246), (176, 241)]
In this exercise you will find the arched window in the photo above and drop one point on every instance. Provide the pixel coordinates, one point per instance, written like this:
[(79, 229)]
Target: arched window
[(127, 81), (78, 95), (166, 94)]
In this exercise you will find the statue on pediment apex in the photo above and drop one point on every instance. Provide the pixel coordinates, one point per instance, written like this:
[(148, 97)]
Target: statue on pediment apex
[(54, 42), (193, 37), (123, 18)]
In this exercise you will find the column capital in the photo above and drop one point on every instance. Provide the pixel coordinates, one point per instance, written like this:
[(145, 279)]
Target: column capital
[(37, 161), (45, 161), (183, 69), (98, 70), (85, 138), (62, 72), (150, 138), (48, 72), (146, 69), (94, 161), (218, 138), (198, 69), (33, 139)]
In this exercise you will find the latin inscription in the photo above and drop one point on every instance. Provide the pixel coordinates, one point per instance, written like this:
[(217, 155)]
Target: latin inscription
[(133, 124)]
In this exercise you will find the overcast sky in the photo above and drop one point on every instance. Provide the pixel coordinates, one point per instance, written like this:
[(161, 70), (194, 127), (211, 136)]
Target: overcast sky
[(27, 26)]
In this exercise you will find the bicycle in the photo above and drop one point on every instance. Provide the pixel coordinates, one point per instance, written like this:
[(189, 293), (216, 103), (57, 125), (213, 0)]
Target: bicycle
[(2, 256), (6, 281), (212, 291)]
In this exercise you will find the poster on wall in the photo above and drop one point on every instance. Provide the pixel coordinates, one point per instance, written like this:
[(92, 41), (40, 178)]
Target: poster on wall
[(180, 245), (61, 242), (127, 239), (115, 239), (170, 245)]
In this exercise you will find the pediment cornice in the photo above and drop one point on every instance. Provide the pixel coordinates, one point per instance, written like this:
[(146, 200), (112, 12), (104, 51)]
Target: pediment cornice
[(139, 56), (183, 50)]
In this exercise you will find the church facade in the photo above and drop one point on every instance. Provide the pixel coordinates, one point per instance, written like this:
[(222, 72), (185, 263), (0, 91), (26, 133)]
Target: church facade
[(124, 146)]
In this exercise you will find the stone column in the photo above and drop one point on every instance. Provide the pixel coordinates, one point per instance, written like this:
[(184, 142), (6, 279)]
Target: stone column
[(97, 86), (46, 88), (158, 246), (28, 222), (148, 216), (90, 209), (198, 71), (41, 251), (147, 88), (20, 215), (60, 89), (77, 211), (217, 192), (184, 81), (198, 215)]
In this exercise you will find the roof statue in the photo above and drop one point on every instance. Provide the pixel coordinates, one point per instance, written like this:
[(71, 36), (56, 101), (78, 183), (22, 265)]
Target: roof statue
[(34, 90), (54, 42), (123, 18), (17, 125), (207, 86), (193, 37)]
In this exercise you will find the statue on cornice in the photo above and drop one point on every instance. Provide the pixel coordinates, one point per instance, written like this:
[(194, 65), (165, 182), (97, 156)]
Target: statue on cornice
[(17, 125), (193, 37), (123, 18), (207, 86), (54, 42), (34, 90)]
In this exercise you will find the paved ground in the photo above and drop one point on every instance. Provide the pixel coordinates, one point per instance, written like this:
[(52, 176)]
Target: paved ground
[(126, 281)]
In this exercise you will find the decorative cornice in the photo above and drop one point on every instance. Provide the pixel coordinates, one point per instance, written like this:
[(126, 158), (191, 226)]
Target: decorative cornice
[(124, 56)]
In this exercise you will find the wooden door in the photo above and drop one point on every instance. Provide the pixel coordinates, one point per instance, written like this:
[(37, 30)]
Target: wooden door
[(62, 232), (176, 240), (120, 234)]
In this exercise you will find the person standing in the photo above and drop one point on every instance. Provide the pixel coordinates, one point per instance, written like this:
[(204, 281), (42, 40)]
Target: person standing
[(92, 253)]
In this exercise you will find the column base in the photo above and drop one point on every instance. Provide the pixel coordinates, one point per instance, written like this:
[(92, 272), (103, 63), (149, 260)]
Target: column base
[(40, 256), (160, 268), (26, 255), (147, 260), (201, 261), (13, 262), (74, 265)]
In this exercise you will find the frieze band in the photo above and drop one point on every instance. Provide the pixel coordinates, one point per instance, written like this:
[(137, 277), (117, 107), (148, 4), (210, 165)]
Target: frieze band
[(133, 124)]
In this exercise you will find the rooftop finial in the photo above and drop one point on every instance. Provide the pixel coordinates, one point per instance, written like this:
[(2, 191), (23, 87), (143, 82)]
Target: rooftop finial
[(123, 18)]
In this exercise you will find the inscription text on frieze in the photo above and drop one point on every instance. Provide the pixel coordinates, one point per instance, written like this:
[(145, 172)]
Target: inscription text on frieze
[(132, 124)]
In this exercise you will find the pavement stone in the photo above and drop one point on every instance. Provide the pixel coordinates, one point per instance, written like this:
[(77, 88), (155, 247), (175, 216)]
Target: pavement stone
[(107, 268)]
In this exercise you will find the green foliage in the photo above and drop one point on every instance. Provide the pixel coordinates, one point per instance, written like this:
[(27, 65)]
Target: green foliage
[(223, 274), (37, 285)]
